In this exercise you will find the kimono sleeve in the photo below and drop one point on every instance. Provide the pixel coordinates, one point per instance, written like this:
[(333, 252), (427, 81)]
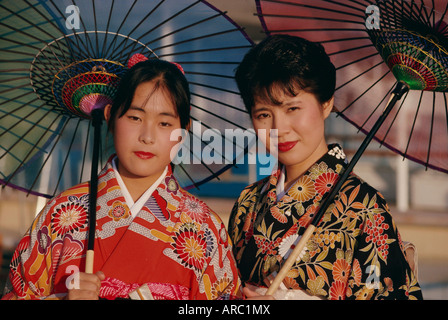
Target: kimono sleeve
[(220, 279), (233, 226), (242, 214), (31, 269), (380, 269)]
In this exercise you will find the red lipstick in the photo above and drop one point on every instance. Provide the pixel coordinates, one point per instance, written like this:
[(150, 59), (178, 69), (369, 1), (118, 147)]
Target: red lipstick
[(144, 155), (286, 146)]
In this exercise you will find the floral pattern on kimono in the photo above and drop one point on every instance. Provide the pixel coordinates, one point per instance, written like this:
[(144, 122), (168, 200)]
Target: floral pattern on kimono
[(355, 252), (175, 245)]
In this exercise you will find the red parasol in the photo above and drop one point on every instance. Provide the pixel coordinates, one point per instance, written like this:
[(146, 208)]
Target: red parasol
[(374, 44)]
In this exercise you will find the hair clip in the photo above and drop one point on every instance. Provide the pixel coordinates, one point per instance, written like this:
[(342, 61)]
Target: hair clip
[(179, 67), (136, 58)]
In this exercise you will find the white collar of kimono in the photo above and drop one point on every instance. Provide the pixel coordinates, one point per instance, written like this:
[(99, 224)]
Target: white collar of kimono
[(280, 187), (135, 207), (281, 184)]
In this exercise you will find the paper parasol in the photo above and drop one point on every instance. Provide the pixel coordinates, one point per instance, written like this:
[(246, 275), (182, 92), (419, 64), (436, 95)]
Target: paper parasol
[(61, 59), (383, 51)]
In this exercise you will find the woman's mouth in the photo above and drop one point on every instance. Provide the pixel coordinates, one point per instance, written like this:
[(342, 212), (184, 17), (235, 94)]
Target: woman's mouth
[(144, 155), (286, 146)]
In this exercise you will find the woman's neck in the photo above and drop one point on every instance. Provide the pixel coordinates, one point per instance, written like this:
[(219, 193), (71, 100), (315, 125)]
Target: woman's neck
[(293, 172), (136, 185)]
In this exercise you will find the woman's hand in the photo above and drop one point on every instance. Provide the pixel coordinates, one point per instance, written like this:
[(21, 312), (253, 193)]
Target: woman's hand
[(252, 295), (89, 287)]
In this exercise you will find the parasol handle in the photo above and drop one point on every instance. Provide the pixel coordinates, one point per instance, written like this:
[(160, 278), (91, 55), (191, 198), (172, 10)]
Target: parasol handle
[(97, 118), (400, 89), (90, 254), (290, 261)]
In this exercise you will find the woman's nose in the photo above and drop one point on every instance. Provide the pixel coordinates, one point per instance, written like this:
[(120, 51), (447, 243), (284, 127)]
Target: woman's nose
[(147, 135), (280, 126)]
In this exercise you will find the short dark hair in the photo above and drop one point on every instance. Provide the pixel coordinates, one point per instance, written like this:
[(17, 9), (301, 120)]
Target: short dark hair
[(287, 62), (166, 75)]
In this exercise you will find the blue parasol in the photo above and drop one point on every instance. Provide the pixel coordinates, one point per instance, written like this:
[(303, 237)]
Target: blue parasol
[(62, 59), (61, 62)]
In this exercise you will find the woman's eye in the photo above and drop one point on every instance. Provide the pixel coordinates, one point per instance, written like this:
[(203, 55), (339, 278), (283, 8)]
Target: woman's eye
[(133, 118), (261, 116)]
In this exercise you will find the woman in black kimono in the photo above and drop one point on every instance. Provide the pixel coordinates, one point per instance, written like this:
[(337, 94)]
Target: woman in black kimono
[(287, 84)]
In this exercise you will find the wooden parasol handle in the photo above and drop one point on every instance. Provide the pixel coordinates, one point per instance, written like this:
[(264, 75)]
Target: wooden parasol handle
[(89, 261), (290, 261)]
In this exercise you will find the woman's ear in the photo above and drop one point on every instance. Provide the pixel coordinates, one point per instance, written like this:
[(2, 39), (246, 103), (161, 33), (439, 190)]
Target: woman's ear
[(185, 132), (107, 112), (328, 107), (188, 126)]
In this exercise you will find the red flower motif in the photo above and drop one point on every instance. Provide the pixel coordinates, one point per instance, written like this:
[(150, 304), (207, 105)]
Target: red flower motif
[(278, 214), (341, 270), (191, 248), (337, 290), (325, 181), (69, 217), (194, 208)]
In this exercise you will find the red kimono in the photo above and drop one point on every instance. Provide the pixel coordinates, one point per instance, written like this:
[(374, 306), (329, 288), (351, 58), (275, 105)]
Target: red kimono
[(175, 245)]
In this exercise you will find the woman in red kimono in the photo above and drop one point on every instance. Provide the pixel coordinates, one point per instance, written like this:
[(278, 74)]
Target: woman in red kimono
[(287, 84), (151, 235)]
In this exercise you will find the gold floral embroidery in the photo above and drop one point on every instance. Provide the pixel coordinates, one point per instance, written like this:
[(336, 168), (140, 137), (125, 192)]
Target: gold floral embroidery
[(303, 189), (119, 211)]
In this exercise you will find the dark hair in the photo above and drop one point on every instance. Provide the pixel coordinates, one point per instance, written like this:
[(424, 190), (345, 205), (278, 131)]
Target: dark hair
[(287, 62), (166, 75)]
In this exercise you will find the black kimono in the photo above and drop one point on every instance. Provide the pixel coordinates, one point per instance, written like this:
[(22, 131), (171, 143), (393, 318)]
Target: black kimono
[(355, 252)]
